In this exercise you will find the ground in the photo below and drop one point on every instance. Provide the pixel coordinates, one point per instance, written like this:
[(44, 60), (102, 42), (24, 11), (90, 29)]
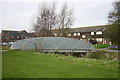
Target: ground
[(27, 64)]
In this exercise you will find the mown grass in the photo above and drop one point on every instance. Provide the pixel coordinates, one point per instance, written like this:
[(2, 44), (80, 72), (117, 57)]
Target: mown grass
[(101, 45), (27, 64)]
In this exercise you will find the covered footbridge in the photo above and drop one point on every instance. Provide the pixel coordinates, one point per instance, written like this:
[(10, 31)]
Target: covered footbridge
[(53, 44)]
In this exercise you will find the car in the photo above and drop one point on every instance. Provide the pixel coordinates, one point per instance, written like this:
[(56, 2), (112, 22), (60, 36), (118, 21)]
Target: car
[(7, 43), (4, 43)]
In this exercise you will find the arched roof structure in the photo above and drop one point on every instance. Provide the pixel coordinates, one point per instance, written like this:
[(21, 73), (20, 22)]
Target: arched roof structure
[(53, 44)]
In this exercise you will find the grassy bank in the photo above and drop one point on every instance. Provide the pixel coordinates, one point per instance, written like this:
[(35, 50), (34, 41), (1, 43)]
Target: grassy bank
[(102, 55), (5, 47), (26, 64)]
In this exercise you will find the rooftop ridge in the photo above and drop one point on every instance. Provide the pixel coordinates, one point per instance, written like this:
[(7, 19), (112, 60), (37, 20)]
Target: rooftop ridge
[(14, 30), (92, 26), (86, 27)]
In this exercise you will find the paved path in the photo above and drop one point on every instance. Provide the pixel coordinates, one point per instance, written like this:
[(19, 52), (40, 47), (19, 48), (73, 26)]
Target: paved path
[(116, 51), (107, 50)]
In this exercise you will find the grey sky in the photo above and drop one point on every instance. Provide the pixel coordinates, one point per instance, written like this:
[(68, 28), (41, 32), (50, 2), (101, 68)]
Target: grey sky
[(18, 15)]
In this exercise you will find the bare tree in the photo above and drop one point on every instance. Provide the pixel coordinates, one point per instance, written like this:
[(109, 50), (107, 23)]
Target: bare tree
[(65, 20), (52, 18), (45, 20), (48, 19)]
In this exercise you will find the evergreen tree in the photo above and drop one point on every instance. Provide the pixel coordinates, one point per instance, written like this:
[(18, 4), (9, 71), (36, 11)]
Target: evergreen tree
[(113, 32)]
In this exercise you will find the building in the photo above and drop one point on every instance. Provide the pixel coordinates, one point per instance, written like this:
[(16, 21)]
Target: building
[(81, 33), (11, 36), (87, 33)]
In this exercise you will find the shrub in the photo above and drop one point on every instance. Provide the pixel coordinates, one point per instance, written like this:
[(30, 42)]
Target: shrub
[(93, 41)]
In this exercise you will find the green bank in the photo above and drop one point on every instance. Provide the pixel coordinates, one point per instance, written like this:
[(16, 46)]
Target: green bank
[(27, 64)]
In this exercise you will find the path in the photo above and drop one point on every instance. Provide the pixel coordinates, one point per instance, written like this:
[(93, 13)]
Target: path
[(107, 50)]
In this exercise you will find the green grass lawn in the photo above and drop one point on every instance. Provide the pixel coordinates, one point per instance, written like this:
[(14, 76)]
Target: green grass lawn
[(26, 64), (101, 45)]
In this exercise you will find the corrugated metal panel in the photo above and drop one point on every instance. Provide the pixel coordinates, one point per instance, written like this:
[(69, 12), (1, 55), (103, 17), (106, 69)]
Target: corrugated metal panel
[(53, 44)]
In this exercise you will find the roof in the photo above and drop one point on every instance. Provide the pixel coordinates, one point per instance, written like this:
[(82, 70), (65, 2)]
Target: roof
[(87, 29), (16, 33), (53, 44), (13, 31)]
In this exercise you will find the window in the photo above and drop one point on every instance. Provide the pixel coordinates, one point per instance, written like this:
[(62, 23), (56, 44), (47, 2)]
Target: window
[(60, 34), (98, 32), (83, 36), (12, 36), (80, 39), (5, 34), (83, 39), (78, 34), (5, 38), (92, 33), (69, 34), (55, 34), (75, 34), (99, 39), (18, 36)]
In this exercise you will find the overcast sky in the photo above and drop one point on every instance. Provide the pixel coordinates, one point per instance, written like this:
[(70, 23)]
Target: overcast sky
[(18, 14)]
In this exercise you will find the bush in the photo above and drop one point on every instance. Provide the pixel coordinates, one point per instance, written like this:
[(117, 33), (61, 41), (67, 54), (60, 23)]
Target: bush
[(93, 41), (5, 47)]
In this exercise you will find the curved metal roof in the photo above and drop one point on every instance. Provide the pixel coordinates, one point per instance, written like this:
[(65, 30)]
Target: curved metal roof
[(53, 44)]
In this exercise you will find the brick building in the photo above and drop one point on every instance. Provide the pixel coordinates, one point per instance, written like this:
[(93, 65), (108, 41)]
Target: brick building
[(81, 33), (11, 36), (87, 33)]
